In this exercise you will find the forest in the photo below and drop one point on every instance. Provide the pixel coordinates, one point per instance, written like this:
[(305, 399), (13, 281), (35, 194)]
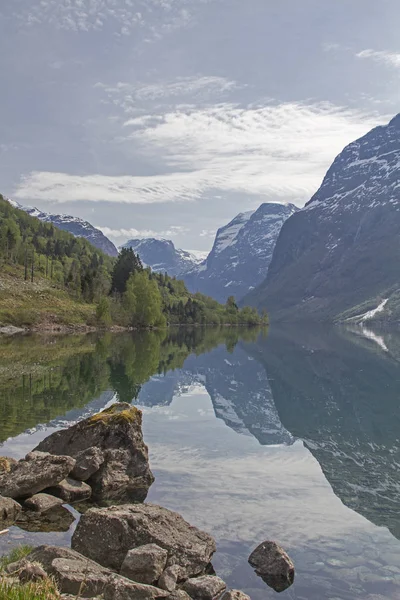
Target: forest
[(55, 276)]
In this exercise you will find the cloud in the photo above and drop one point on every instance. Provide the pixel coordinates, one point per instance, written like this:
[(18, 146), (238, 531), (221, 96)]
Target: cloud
[(121, 16), (118, 234), (389, 59), (200, 87), (277, 151)]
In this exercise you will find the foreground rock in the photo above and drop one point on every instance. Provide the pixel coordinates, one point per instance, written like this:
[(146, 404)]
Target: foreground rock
[(80, 577), (273, 565), (87, 463), (120, 588), (71, 491), (42, 502), (106, 536), (116, 433), (9, 511), (145, 564), (35, 473), (169, 578), (235, 595), (208, 587)]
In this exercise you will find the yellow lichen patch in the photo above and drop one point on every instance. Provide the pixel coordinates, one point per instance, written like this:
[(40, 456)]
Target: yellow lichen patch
[(5, 464), (114, 416)]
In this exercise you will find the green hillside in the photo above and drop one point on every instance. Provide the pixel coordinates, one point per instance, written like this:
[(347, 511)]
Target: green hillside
[(48, 277)]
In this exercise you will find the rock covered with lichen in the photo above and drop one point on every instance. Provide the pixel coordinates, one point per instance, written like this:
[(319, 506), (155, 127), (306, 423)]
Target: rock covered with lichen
[(114, 440)]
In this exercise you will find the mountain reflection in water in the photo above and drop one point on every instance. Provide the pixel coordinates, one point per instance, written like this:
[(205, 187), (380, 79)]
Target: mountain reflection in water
[(240, 426)]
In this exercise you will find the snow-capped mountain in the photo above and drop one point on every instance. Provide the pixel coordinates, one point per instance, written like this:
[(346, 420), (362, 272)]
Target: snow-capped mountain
[(162, 256), (241, 254), (338, 257), (78, 227)]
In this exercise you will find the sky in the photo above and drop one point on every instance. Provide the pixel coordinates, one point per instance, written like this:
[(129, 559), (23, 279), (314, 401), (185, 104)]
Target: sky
[(167, 118)]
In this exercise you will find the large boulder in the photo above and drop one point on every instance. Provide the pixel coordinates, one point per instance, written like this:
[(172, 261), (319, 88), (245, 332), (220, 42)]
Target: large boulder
[(9, 511), (71, 491), (169, 578), (116, 432), (106, 535), (36, 472), (145, 564), (208, 587), (273, 565)]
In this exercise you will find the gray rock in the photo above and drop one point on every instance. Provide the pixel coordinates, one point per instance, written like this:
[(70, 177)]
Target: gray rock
[(31, 571), (73, 572), (9, 510), (57, 519), (235, 595), (71, 491), (144, 564), (169, 578), (106, 535), (273, 565), (88, 462), (120, 588), (42, 502), (207, 587), (179, 595), (35, 473), (117, 432)]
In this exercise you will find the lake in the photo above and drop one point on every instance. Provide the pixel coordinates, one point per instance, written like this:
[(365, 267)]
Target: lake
[(291, 435)]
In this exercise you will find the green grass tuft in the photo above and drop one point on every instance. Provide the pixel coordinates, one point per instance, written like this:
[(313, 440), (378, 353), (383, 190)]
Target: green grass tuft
[(43, 590), (15, 555)]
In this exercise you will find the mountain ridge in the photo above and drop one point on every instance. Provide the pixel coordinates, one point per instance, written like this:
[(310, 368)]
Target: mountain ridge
[(337, 257), (75, 225)]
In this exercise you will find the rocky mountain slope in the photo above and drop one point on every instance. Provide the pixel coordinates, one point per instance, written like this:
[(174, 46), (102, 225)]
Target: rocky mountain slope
[(338, 258), (241, 254), (78, 227), (161, 255)]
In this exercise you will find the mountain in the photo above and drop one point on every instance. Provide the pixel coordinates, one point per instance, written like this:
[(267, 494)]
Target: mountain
[(340, 397), (162, 256), (338, 258), (241, 254), (78, 227)]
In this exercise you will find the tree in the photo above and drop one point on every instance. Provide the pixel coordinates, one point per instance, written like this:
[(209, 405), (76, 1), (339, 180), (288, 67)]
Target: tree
[(143, 294), (126, 264), (103, 314)]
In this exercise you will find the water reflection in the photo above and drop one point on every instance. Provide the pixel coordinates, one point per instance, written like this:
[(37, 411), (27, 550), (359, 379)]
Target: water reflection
[(272, 436)]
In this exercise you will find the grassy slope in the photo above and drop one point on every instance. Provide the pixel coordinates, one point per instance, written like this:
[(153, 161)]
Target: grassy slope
[(27, 304)]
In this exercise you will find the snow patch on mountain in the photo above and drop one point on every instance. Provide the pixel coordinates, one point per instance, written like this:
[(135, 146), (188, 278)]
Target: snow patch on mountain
[(78, 227)]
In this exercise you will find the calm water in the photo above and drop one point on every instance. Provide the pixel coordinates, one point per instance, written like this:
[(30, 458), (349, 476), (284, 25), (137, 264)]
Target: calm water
[(293, 436)]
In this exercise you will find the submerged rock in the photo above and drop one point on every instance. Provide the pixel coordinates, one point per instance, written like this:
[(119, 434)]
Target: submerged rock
[(71, 491), (57, 519), (106, 535), (9, 511), (144, 564), (36, 472), (208, 587), (116, 432), (42, 502), (273, 565)]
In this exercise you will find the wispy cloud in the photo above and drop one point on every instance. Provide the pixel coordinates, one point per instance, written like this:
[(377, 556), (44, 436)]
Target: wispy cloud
[(385, 57), (275, 151), (125, 234), (122, 16)]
